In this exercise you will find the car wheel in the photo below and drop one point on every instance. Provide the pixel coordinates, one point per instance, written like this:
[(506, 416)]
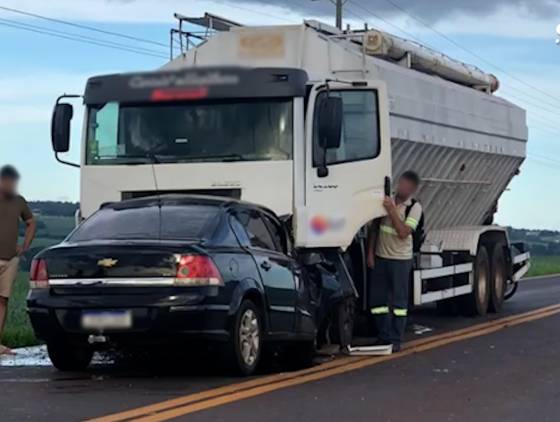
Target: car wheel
[(67, 356), (498, 279), (476, 303), (245, 343)]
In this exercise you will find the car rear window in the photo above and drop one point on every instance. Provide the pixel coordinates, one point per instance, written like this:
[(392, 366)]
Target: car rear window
[(185, 222)]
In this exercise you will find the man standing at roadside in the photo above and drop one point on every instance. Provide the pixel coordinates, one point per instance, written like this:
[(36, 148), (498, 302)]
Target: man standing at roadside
[(13, 208), (390, 253)]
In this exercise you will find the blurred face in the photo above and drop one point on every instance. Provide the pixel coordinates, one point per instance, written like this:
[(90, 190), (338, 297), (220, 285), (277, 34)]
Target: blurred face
[(8, 186), (406, 188)]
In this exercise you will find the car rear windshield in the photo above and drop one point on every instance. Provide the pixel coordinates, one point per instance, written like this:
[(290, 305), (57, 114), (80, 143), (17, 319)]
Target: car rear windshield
[(185, 222)]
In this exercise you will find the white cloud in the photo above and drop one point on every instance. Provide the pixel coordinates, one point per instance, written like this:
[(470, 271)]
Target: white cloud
[(30, 99), (507, 20)]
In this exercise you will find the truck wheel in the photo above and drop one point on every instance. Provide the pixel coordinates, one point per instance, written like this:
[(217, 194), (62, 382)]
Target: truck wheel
[(476, 303), (342, 328), (498, 279), (244, 347), (66, 356)]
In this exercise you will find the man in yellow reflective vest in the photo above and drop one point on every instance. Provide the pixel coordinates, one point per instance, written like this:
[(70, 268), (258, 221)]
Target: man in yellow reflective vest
[(390, 254)]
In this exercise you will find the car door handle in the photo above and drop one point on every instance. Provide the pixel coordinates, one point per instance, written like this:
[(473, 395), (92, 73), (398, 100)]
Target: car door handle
[(266, 265)]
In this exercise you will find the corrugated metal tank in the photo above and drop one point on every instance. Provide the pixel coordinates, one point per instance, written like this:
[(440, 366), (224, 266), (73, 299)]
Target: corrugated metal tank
[(460, 187)]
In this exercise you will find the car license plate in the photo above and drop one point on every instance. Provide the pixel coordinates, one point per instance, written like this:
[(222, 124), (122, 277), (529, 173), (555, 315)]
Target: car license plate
[(106, 320)]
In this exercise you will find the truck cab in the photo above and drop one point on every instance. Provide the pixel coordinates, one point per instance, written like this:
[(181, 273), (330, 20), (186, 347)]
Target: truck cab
[(265, 135)]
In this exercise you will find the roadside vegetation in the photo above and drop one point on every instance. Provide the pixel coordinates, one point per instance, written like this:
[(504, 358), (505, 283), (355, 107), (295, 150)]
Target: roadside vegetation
[(18, 329), (544, 265)]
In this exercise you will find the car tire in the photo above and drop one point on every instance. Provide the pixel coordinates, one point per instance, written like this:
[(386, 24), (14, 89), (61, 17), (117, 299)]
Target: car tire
[(476, 303), (244, 347), (67, 356), (498, 279)]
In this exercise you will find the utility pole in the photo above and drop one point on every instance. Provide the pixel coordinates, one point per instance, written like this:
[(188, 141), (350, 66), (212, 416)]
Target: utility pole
[(339, 4), (339, 7)]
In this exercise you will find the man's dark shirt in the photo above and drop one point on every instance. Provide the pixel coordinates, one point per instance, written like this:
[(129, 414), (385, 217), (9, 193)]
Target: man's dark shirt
[(12, 209)]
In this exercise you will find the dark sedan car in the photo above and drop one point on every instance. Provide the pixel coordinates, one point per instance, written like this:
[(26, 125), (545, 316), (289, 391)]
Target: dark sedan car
[(173, 268)]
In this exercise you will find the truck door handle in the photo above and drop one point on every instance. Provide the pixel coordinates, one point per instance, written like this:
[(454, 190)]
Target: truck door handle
[(266, 265)]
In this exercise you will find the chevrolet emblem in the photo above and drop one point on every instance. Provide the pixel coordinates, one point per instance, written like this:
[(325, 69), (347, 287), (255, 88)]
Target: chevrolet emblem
[(107, 262)]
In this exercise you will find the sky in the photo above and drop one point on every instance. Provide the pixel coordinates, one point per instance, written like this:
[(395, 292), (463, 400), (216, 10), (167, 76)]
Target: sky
[(515, 36)]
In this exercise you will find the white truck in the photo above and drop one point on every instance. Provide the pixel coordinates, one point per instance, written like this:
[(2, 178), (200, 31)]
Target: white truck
[(311, 122)]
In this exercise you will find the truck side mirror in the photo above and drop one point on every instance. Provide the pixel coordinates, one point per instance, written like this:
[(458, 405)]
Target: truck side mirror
[(330, 123), (60, 127)]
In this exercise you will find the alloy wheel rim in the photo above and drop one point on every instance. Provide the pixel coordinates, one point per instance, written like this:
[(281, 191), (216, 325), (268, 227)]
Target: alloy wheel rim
[(249, 337)]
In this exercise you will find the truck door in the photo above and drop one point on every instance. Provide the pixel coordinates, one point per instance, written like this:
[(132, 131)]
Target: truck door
[(344, 187)]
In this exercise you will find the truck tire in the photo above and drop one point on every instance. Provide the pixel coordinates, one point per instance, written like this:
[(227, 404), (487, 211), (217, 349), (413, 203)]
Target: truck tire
[(498, 279), (476, 303), (68, 357), (244, 347)]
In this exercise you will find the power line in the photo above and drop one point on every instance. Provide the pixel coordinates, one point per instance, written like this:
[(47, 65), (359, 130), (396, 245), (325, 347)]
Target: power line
[(81, 26), (85, 37), (469, 51), (79, 39), (386, 21), (256, 12), (542, 120)]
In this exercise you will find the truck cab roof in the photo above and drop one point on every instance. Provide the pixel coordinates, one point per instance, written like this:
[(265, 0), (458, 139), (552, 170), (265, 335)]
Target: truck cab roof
[(196, 84)]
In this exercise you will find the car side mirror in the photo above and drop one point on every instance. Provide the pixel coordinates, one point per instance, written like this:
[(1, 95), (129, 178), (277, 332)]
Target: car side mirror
[(330, 123), (60, 127)]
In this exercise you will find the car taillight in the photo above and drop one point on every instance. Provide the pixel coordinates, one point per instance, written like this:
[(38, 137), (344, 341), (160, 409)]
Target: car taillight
[(197, 270), (39, 275)]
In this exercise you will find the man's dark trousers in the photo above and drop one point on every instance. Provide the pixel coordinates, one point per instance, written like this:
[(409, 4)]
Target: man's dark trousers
[(388, 297)]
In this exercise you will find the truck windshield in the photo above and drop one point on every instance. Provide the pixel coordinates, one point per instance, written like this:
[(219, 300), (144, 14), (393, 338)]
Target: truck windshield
[(190, 132)]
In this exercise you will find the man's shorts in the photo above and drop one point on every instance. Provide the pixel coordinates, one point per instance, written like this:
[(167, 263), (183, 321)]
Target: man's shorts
[(8, 273)]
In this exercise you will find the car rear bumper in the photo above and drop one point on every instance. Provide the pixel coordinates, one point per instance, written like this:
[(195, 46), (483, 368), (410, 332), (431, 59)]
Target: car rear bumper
[(155, 318)]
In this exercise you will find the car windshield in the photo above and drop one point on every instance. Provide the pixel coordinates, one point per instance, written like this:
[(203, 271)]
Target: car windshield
[(184, 222), (217, 131)]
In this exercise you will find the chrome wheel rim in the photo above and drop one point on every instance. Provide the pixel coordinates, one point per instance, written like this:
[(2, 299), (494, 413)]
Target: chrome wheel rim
[(249, 337)]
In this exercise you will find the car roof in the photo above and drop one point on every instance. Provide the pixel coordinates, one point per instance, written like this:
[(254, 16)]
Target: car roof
[(183, 199)]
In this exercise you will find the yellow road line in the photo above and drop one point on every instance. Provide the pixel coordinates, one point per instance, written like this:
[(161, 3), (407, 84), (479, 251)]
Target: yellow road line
[(216, 397)]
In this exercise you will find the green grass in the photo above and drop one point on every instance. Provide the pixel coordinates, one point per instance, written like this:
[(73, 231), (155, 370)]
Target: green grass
[(18, 331), (544, 265)]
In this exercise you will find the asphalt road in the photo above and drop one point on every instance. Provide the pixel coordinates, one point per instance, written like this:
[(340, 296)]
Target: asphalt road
[(510, 374)]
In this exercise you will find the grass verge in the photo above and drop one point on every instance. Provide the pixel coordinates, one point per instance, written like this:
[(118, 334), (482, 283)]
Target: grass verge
[(18, 331), (544, 265)]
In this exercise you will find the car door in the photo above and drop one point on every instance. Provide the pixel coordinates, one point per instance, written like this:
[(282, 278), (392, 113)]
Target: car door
[(275, 268)]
